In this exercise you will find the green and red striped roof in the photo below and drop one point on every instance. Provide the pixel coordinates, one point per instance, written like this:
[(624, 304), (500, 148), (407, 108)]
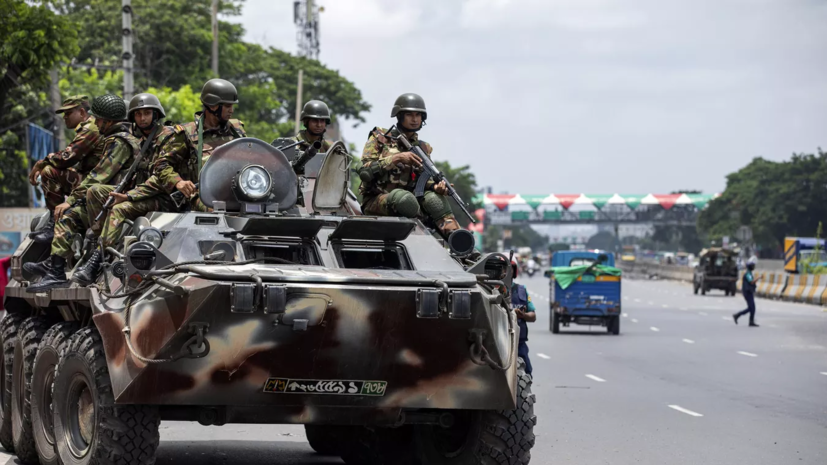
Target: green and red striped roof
[(667, 201)]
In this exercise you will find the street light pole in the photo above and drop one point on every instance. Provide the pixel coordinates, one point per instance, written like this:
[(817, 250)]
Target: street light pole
[(126, 22), (299, 102), (215, 38)]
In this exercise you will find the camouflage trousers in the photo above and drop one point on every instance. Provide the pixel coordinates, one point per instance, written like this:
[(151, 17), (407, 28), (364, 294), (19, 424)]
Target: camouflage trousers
[(57, 184), (72, 224), (109, 228), (400, 202)]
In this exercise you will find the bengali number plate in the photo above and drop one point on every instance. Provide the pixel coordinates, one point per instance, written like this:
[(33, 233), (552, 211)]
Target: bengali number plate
[(326, 386)]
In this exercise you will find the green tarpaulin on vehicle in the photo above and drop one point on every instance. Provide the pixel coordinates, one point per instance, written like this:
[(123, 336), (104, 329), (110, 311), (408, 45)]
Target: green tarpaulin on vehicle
[(565, 275)]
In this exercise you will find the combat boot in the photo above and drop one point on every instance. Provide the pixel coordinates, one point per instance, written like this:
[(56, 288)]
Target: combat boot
[(88, 273), (46, 234), (38, 268), (55, 278)]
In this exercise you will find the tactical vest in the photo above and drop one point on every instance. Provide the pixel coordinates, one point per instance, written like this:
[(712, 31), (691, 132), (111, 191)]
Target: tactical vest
[(519, 298), (131, 141)]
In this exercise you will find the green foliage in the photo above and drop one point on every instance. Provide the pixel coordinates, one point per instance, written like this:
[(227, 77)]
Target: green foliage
[(90, 82), (13, 171), (521, 236), (776, 199), (465, 183), (179, 105), (814, 263)]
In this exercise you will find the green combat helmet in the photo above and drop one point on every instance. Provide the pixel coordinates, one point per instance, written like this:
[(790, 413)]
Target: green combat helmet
[(409, 102), (315, 109), (109, 107), (218, 92), (145, 100)]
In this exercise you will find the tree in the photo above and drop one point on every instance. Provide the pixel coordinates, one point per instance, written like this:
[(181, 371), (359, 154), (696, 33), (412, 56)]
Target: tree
[(465, 184), (776, 199), (521, 236)]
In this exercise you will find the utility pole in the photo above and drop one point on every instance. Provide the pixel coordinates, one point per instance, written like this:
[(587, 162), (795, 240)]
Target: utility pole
[(299, 102), (126, 21), (215, 38), (54, 91)]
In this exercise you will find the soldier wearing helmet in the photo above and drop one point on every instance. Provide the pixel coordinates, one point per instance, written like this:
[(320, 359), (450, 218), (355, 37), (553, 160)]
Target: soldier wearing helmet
[(62, 171), (389, 175), (315, 117), (72, 218), (144, 193), (182, 155)]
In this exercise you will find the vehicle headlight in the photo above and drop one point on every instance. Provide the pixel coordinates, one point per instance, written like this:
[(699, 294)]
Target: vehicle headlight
[(153, 236), (253, 182)]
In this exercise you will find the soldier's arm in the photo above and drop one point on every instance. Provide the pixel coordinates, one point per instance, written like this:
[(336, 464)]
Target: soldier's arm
[(116, 154), (174, 152), (86, 138), (375, 156), (152, 187)]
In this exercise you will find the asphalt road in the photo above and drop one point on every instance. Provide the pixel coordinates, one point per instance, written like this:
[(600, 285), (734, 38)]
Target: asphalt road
[(682, 384)]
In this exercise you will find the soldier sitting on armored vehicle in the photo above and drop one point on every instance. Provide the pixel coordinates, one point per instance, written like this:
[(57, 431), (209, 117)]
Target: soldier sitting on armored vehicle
[(315, 117), (184, 153), (72, 219), (147, 194), (389, 174), (61, 172)]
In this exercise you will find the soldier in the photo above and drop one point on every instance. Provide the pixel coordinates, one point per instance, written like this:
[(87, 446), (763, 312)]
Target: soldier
[(389, 175), (120, 147), (184, 153), (145, 113), (315, 117), (61, 172)]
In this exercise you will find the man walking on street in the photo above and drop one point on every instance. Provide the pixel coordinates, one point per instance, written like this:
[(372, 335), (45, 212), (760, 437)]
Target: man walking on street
[(748, 289)]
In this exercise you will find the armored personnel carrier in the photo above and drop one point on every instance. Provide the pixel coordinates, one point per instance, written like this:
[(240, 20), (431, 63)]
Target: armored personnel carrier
[(283, 305)]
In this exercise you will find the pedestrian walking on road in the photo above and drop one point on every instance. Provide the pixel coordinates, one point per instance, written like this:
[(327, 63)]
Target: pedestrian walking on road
[(524, 308), (748, 289)]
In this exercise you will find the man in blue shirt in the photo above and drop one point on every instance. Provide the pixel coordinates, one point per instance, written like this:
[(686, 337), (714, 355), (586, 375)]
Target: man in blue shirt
[(524, 308), (748, 289)]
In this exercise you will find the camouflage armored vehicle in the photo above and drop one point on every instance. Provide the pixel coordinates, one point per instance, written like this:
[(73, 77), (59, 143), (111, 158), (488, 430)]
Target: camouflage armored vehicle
[(388, 343)]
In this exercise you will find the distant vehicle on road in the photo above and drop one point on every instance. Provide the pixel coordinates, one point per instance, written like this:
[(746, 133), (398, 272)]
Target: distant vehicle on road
[(717, 269), (808, 251), (584, 288)]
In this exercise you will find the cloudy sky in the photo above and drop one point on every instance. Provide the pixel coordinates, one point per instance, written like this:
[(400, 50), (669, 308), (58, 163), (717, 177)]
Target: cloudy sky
[(596, 96)]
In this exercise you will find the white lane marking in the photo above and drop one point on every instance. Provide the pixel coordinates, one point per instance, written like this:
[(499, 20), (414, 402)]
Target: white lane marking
[(665, 306), (726, 318), (634, 320), (637, 300), (625, 315), (824, 373), (748, 354), (596, 378), (689, 341), (684, 308), (654, 329), (650, 303), (543, 356), (702, 313), (683, 410)]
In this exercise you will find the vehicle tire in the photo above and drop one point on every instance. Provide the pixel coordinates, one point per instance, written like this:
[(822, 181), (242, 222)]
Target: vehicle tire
[(8, 333), (326, 439), (42, 379), (614, 325), (89, 427), (378, 446), (726, 292), (695, 286), (703, 290), (555, 322), (30, 333), (483, 437)]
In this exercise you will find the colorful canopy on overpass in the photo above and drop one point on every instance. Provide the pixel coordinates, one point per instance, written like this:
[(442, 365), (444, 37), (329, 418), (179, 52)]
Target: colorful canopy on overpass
[(667, 201)]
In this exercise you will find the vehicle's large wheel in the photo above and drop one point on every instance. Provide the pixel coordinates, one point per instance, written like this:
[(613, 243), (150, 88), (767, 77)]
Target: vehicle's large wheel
[(555, 322), (8, 333), (89, 427), (703, 289), (326, 439), (483, 437), (613, 326), (25, 349), (42, 379), (378, 446), (695, 287)]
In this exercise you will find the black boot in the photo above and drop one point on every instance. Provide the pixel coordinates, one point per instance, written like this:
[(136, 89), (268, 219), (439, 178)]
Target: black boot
[(88, 273), (56, 277), (38, 268), (46, 234)]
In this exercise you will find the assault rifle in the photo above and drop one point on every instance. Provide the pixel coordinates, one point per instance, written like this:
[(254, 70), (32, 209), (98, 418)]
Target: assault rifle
[(429, 172), (131, 173), (306, 156), (179, 199)]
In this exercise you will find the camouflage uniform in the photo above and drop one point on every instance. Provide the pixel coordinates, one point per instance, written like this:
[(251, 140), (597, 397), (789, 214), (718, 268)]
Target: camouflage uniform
[(383, 195), (147, 194), (64, 170), (120, 148), (177, 160), (305, 137)]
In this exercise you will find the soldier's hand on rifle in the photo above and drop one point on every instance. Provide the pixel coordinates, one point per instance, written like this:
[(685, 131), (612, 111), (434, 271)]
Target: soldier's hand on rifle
[(186, 187), (36, 169), (407, 158), (441, 188), (60, 209), (119, 198)]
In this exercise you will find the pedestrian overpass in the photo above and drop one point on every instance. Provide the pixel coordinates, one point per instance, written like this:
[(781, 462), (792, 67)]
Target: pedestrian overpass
[(660, 209)]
